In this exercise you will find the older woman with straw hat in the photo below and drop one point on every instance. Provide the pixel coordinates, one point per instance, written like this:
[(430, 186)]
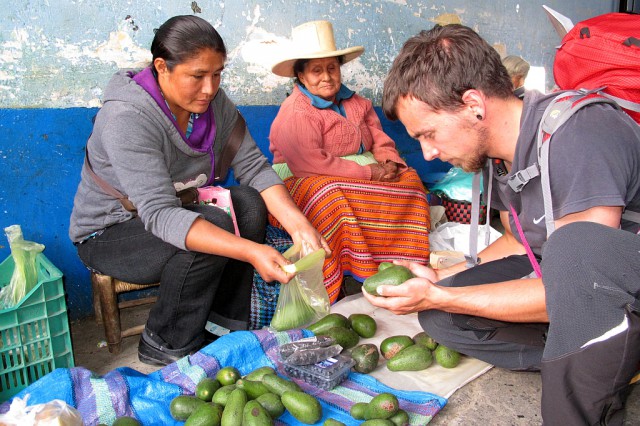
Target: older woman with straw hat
[(342, 170)]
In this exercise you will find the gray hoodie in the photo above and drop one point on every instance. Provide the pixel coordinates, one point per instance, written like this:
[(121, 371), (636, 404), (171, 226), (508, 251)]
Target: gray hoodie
[(138, 150)]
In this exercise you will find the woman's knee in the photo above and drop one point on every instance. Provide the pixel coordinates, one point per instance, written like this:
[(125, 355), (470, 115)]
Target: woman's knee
[(250, 211), (214, 215)]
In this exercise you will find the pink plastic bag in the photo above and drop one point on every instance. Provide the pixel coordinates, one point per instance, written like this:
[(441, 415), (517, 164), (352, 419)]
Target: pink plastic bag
[(220, 197)]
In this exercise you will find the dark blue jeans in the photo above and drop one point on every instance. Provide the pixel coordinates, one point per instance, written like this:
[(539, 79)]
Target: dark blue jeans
[(193, 285)]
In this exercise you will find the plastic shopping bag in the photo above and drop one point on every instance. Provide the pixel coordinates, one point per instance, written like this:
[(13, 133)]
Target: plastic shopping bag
[(25, 274), (304, 299), (455, 185), (53, 413), (219, 197)]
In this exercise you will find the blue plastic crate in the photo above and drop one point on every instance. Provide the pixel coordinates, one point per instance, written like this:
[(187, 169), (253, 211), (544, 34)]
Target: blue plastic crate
[(34, 335)]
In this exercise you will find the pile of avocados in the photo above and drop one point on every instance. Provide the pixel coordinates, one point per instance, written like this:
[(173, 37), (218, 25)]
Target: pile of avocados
[(253, 400), (262, 395)]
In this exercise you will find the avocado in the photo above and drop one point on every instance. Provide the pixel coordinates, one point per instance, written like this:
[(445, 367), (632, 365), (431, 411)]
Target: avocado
[(382, 406), (206, 388), (377, 422), (325, 323), (412, 358), (331, 422), (254, 414), (304, 407), (400, 418), (446, 357), (258, 373), (126, 421), (366, 357), (394, 344), (222, 395), (392, 275), (182, 406), (344, 336), (424, 339), (278, 385), (253, 388), (206, 415), (363, 324), (358, 409), (271, 402), (384, 265), (232, 415)]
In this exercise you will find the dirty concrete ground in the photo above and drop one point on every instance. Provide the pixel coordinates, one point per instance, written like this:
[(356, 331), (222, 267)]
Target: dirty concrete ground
[(499, 397)]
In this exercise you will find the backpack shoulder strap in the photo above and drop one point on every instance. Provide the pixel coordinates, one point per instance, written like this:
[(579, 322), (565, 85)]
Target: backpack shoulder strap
[(231, 148), (561, 108)]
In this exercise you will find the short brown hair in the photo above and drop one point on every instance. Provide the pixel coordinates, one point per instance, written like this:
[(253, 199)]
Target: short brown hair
[(438, 66)]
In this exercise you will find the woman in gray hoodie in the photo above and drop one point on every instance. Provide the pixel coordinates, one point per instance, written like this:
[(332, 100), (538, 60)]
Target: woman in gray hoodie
[(162, 129)]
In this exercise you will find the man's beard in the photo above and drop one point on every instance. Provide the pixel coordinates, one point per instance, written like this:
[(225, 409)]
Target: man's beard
[(479, 158)]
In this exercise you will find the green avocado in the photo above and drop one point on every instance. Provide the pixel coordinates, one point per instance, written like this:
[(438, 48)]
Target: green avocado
[(331, 422), (358, 409), (304, 407), (392, 275), (259, 373), (446, 357), (424, 339), (222, 395), (366, 357), (182, 406), (344, 336), (253, 388), (255, 414), (377, 422), (271, 402), (382, 406), (278, 385), (394, 344), (206, 415), (363, 324), (384, 265), (400, 418), (232, 415), (412, 358), (328, 321)]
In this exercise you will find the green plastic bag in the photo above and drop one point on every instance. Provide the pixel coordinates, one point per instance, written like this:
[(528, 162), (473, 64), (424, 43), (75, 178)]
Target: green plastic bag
[(25, 274)]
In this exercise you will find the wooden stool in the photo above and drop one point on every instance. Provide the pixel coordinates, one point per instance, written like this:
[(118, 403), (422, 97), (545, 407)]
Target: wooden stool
[(107, 309)]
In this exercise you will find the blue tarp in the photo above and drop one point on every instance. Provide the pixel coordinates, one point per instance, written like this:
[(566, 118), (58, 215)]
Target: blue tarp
[(126, 392)]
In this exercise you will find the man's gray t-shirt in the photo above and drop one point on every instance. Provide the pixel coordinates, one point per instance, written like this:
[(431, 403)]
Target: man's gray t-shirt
[(594, 160)]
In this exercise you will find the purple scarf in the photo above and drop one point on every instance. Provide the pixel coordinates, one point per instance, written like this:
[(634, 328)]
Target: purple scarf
[(203, 133)]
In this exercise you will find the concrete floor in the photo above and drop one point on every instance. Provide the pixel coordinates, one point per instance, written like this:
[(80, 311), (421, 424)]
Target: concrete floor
[(499, 397)]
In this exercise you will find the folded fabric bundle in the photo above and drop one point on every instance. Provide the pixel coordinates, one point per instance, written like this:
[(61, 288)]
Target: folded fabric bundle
[(126, 392)]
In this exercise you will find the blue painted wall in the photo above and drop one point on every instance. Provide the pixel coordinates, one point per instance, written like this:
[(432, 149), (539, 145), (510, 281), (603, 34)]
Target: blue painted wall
[(56, 57)]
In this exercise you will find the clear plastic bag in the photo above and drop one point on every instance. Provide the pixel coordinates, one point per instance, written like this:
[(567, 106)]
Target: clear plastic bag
[(304, 299), (55, 412), (25, 274)]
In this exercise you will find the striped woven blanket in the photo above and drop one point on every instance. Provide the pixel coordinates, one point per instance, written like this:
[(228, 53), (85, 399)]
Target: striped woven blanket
[(364, 222), (126, 392)]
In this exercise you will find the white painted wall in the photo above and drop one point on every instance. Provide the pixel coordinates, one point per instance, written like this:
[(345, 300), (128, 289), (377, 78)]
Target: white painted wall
[(61, 53)]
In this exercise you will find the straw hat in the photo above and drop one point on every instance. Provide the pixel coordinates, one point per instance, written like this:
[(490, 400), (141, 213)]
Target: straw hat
[(313, 40)]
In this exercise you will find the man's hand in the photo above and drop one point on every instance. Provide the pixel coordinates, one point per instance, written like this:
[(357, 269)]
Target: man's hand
[(413, 295)]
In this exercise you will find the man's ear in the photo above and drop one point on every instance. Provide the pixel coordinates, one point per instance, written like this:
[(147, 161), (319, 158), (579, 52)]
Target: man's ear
[(474, 102)]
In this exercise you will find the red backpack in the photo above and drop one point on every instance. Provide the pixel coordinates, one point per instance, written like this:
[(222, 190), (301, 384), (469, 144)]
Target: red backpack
[(603, 52)]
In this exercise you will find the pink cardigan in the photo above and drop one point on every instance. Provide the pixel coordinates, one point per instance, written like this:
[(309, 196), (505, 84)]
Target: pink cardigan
[(312, 140)]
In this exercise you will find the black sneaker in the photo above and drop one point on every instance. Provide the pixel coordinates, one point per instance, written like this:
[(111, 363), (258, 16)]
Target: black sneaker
[(151, 352)]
